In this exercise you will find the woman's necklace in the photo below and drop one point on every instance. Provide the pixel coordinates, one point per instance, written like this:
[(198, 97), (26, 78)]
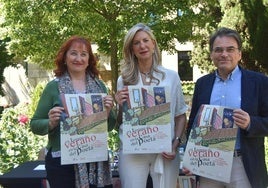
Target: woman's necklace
[(147, 76)]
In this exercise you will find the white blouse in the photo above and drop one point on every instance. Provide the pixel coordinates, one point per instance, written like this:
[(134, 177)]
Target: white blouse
[(172, 81)]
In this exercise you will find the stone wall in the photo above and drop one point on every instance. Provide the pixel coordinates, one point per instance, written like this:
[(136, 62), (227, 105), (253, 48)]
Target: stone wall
[(19, 84), (37, 74)]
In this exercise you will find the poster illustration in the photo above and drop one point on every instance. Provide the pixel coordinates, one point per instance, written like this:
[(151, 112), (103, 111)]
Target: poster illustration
[(146, 120), (210, 147), (83, 128)]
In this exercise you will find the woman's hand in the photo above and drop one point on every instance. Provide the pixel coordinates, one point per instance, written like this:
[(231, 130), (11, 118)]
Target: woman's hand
[(186, 171), (54, 117), (108, 103), (169, 155), (121, 96)]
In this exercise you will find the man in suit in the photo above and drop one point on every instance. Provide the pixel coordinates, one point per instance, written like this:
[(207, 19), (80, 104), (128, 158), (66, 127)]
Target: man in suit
[(246, 91)]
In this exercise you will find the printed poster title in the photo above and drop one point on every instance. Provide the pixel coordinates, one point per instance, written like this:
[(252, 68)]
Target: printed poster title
[(205, 157), (138, 137), (80, 145)]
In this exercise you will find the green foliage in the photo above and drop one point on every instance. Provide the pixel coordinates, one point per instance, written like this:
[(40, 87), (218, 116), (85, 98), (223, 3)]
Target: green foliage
[(113, 140), (257, 21), (200, 56), (35, 96), (188, 87), (37, 28), (17, 143), (5, 60), (249, 18)]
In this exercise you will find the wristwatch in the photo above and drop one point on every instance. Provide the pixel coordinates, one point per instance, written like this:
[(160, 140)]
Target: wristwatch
[(179, 139)]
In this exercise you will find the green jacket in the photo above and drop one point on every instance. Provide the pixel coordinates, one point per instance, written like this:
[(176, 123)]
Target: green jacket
[(39, 122)]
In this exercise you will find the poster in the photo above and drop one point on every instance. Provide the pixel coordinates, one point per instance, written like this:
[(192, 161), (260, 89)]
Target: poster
[(83, 128), (146, 120), (210, 147)]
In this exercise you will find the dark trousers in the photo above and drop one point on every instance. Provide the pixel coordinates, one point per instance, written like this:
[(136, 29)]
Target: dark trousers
[(59, 176)]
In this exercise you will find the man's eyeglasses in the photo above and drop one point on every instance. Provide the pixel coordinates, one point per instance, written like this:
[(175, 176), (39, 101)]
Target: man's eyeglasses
[(229, 50)]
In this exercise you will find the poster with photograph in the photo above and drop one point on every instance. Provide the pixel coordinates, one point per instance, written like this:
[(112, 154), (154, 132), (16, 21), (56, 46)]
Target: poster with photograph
[(83, 128), (210, 147), (146, 120)]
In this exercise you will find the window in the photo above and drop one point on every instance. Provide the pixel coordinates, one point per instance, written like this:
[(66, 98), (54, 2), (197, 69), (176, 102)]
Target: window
[(184, 69)]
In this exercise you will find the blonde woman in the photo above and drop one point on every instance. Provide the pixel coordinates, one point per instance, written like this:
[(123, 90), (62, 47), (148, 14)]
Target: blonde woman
[(142, 67)]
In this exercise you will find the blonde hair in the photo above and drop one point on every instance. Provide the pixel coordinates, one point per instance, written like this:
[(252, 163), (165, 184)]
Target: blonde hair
[(129, 69)]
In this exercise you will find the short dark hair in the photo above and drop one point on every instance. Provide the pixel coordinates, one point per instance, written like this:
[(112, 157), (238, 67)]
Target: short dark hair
[(223, 31)]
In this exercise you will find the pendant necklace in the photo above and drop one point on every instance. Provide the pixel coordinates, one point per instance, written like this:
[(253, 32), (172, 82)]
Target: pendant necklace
[(147, 76)]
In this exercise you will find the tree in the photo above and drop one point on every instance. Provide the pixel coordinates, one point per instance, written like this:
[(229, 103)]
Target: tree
[(38, 27), (211, 12), (256, 14), (249, 18), (5, 61)]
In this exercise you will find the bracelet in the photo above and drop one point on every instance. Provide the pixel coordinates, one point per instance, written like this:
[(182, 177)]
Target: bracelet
[(179, 139)]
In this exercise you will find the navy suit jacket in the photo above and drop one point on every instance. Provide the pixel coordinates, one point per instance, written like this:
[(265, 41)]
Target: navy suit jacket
[(254, 100)]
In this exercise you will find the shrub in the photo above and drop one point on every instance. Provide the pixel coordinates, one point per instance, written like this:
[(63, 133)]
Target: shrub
[(188, 87), (113, 140), (17, 143)]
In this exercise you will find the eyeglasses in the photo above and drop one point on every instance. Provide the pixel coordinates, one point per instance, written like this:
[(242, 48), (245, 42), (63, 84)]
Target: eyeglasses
[(229, 50)]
